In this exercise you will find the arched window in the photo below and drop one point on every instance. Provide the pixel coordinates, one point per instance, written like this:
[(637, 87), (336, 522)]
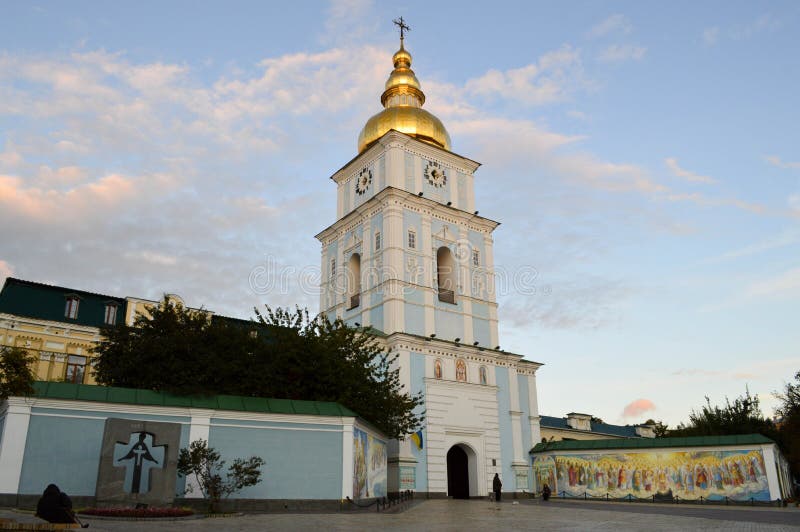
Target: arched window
[(354, 280), (482, 372), (446, 275), (437, 369)]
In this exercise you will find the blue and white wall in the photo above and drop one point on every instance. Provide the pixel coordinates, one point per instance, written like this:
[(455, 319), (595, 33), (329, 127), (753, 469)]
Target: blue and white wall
[(59, 441), (496, 421)]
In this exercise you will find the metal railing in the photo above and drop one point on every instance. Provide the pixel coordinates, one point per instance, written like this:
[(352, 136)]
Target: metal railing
[(670, 499)]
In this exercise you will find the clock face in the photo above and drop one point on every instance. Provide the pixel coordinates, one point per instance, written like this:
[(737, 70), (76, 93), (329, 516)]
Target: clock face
[(435, 174), (363, 181)]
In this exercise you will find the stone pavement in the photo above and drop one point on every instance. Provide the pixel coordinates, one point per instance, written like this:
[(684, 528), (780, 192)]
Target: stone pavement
[(486, 516)]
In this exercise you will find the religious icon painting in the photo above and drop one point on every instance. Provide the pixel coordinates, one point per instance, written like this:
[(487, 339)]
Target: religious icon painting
[(461, 370), (483, 375), (437, 369)]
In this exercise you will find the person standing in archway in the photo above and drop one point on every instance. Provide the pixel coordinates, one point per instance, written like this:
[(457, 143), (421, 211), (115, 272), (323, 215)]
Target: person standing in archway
[(497, 487)]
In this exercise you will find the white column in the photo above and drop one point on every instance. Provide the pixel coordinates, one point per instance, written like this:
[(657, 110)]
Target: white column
[(770, 465), (12, 446), (347, 457), (198, 430), (533, 411)]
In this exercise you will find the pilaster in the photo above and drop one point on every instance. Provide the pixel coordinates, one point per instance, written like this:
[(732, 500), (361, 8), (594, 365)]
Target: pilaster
[(12, 446)]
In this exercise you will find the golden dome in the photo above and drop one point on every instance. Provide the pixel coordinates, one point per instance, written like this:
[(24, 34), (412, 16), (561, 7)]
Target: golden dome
[(402, 101)]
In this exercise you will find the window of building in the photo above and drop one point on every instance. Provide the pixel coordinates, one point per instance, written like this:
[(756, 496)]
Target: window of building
[(333, 268), (111, 314), (354, 280), (412, 239), (71, 310), (377, 240), (476, 257), (446, 275), (482, 372), (76, 369)]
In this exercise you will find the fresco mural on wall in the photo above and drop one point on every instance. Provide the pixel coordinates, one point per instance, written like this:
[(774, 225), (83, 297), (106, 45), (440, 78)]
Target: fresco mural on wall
[(738, 475), (369, 466)]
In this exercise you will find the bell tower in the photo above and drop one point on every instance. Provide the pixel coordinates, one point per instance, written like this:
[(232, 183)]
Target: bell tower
[(410, 259), (409, 252)]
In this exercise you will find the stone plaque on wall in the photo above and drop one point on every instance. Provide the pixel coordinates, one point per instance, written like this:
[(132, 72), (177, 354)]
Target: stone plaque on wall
[(138, 462)]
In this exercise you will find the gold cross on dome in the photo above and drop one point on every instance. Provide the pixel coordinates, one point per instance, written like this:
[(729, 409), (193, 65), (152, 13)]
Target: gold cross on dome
[(402, 25)]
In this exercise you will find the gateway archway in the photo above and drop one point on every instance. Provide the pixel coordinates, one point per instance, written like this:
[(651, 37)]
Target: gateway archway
[(461, 469)]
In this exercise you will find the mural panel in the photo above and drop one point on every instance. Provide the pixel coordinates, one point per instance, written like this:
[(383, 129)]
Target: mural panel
[(369, 465), (738, 475)]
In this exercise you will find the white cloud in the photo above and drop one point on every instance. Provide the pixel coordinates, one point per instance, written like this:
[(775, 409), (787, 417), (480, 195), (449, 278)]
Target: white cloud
[(614, 24), (783, 285), (711, 35), (672, 164), (786, 238), (552, 78), (5, 271), (777, 161), (617, 53)]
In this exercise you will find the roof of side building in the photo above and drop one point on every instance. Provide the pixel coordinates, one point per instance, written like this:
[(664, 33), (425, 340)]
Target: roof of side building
[(650, 443)]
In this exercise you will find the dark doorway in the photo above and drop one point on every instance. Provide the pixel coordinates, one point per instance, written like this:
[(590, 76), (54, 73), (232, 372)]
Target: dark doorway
[(457, 473)]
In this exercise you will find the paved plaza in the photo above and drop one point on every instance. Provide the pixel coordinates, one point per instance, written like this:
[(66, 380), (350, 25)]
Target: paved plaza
[(486, 516)]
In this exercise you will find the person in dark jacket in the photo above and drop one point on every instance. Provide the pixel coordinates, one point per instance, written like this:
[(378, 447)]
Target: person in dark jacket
[(497, 487), (546, 492), (55, 506)]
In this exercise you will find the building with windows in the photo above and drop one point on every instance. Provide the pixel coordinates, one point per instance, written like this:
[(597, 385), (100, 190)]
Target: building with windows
[(575, 426), (60, 326), (410, 256)]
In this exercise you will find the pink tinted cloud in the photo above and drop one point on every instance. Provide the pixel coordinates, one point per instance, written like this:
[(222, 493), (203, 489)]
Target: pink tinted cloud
[(638, 407)]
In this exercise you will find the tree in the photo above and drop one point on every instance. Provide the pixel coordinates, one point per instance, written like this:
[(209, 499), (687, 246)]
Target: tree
[(659, 428), (281, 354), (788, 413), (742, 416), (204, 462), (16, 377)]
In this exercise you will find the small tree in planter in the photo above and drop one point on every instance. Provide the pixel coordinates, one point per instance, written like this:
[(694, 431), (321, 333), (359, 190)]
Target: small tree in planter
[(204, 462)]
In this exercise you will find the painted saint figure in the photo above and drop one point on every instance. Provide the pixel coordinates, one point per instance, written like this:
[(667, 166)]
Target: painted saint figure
[(461, 371), (138, 453)]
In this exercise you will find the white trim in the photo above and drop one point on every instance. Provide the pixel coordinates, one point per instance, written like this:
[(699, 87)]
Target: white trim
[(12, 447), (347, 458), (199, 429)]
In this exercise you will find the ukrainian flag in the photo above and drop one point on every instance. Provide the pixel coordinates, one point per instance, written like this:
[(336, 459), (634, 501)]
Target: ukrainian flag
[(417, 439)]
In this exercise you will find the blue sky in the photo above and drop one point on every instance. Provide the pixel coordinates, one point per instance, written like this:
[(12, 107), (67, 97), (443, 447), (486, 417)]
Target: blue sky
[(642, 158)]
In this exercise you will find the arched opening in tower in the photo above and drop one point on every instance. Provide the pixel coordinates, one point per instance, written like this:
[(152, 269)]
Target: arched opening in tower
[(446, 275), (354, 280)]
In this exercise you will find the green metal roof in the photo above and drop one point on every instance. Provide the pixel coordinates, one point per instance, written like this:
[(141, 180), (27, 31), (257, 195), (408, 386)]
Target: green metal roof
[(650, 443), (48, 302), (111, 394)]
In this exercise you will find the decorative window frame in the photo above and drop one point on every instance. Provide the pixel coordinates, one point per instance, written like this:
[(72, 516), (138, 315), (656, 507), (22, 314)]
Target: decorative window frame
[(110, 314), (72, 306), (411, 239)]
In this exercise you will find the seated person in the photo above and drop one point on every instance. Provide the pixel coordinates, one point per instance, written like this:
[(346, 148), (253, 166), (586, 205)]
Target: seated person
[(55, 506)]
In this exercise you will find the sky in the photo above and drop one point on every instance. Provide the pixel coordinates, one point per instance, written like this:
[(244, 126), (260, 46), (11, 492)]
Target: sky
[(643, 159)]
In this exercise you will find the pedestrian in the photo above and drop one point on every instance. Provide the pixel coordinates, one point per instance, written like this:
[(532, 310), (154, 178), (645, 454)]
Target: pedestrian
[(497, 487), (55, 506), (546, 492)]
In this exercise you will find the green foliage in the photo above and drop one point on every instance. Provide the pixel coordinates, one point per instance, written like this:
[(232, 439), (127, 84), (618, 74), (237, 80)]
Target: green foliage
[(742, 416), (204, 462), (281, 354), (660, 429), (788, 413), (16, 376)]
